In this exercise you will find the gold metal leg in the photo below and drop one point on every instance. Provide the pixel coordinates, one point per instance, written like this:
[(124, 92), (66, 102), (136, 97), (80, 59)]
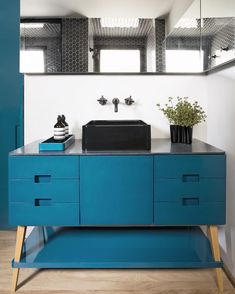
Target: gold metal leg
[(21, 230), (214, 239)]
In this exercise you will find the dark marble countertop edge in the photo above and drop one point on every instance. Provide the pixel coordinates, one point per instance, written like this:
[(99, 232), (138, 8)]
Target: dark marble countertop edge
[(159, 147)]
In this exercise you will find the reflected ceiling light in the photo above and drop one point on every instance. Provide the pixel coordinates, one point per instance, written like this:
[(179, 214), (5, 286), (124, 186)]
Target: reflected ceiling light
[(32, 25), (187, 23), (116, 22)]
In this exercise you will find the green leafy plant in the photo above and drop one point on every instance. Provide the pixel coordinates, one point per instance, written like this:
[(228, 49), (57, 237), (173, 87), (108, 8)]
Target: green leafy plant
[(183, 113)]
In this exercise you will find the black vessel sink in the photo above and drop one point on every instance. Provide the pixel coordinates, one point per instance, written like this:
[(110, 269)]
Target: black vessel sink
[(101, 135)]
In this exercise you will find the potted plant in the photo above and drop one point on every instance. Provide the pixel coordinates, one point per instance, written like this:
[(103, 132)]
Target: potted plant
[(182, 116)]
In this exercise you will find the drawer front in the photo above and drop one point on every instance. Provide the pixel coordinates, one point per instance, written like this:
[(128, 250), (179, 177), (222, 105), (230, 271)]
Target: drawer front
[(189, 166), (175, 190), (41, 168), (50, 214), (189, 213), (57, 190)]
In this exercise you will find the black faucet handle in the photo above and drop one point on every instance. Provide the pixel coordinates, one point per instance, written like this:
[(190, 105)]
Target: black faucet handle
[(102, 100), (129, 100), (115, 101)]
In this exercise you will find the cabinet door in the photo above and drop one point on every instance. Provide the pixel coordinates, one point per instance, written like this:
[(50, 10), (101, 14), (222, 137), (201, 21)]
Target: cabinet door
[(11, 89), (116, 190)]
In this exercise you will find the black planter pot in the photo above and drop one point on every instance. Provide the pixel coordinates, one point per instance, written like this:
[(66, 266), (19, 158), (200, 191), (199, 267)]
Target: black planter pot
[(180, 134)]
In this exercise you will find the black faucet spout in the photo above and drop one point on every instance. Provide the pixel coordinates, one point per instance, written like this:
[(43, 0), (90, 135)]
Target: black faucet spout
[(115, 102)]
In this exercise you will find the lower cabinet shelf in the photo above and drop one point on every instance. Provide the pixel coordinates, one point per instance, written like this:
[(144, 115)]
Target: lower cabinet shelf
[(73, 247)]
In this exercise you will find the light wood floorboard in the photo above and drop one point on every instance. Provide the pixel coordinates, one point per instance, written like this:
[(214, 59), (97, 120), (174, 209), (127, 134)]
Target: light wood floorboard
[(69, 281)]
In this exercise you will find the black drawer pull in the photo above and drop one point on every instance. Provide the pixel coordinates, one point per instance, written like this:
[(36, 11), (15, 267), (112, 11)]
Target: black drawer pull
[(42, 202), (42, 179), (192, 201), (190, 178)]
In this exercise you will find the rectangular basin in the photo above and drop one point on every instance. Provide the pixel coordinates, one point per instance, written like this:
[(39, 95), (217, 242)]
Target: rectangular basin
[(101, 135)]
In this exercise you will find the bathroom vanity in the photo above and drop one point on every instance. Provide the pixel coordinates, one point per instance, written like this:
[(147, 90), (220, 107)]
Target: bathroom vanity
[(118, 209)]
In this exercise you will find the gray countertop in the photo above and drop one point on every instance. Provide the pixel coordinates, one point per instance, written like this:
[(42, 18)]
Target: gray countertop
[(159, 146)]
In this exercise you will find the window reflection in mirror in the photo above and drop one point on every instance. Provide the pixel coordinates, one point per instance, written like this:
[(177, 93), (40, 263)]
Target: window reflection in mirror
[(32, 61), (119, 60), (183, 43), (40, 46), (124, 41), (184, 61)]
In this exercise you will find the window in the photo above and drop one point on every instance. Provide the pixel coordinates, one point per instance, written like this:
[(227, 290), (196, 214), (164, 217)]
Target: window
[(119, 60), (184, 61), (32, 61)]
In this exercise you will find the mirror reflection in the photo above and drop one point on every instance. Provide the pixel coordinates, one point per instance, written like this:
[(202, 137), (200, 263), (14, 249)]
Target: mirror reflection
[(218, 31), (88, 45), (183, 44), (40, 49), (199, 39)]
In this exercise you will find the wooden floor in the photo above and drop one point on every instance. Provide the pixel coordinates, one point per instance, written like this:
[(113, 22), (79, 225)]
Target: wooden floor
[(104, 281)]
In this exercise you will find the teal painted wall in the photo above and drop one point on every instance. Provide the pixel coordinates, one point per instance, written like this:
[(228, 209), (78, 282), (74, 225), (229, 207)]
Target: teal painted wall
[(11, 95)]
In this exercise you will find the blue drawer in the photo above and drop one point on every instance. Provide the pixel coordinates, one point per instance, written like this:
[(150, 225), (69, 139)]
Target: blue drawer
[(46, 213), (39, 168), (189, 213), (58, 190), (206, 189), (186, 166)]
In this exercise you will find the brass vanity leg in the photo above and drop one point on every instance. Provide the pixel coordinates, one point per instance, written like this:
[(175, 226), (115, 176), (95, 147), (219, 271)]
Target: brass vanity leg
[(21, 230), (214, 240)]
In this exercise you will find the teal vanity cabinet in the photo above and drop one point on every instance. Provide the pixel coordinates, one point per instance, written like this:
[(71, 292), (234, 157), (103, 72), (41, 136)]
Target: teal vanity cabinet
[(189, 189), (116, 190), (133, 209), (44, 190)]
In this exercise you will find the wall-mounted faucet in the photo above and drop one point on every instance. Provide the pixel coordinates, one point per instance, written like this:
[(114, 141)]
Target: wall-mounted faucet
[(129, 101), (115, 101), (102, 100)]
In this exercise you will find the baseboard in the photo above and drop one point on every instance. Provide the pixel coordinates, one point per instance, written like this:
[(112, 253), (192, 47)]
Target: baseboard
[(229, 275)]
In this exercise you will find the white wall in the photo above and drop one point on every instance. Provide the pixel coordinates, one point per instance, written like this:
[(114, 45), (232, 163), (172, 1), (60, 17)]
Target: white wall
[(220, 132), (76, 96)]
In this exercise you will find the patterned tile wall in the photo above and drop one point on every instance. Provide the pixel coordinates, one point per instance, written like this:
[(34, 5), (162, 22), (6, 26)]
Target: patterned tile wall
[(160, 45), (151, 49), (91, 55), (190, 43), (75, 45)]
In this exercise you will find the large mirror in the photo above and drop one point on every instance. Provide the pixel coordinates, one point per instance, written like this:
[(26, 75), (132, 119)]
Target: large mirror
[(218, 32), (183, 44), (87, 45), (126, 36), (203, 38)]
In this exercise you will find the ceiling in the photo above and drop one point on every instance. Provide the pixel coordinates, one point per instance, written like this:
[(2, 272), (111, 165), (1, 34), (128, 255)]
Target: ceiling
[(141, 31), (210, 26), (49, 30), (96, 8), (53, 30)]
